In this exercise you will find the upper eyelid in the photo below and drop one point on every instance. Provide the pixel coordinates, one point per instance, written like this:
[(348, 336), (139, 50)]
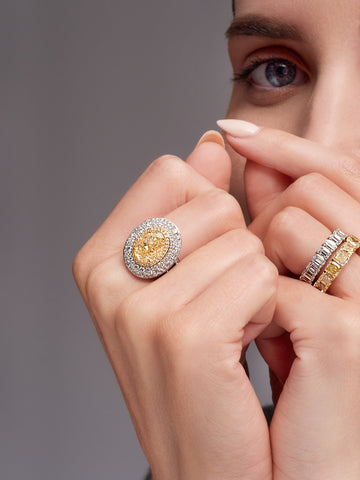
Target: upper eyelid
[(245, 72), (257, 61), (278, 51)]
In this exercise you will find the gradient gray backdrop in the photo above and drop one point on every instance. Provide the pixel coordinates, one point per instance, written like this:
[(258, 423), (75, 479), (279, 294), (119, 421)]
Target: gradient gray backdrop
[(91, 92)]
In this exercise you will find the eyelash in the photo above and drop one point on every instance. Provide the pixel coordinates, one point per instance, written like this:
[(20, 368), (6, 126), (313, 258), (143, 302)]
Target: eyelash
[(244, 73)]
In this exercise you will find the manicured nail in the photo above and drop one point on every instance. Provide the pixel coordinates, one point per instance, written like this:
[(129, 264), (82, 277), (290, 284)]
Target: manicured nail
[(238, 128), (212, 136)]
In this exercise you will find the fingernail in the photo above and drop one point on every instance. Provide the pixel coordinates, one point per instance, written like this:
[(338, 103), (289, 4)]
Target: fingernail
[(238, 128), (212, 136)]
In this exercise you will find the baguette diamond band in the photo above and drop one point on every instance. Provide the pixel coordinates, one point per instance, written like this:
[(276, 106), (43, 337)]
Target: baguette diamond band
[(152, 248), (330, 245)]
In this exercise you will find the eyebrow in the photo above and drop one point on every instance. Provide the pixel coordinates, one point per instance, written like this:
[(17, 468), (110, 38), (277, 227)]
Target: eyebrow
[(261, 26)]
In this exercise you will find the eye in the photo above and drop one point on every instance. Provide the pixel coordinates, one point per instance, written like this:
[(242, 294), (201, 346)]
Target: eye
[(272, 73)]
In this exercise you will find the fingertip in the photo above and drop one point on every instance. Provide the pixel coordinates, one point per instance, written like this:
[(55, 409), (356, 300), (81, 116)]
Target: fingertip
[(238, 128), (212, 136), (211, 160)]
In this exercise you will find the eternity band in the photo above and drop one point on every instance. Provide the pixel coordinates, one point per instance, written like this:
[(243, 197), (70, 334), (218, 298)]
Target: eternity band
[(337, 263), (322, 255)]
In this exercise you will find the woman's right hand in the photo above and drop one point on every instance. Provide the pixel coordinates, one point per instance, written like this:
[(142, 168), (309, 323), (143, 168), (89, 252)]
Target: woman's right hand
[(175, 342)]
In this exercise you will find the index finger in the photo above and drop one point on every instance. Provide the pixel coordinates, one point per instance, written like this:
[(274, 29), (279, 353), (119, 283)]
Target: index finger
[(292, 155)]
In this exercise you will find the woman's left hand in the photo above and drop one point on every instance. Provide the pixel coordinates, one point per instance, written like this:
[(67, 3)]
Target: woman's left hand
[(313, 345)]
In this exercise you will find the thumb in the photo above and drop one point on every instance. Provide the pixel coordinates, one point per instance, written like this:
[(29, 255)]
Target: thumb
[(210, 159)]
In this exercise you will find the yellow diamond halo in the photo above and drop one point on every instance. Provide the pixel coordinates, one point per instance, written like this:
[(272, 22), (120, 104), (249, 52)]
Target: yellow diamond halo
[(152, 248)]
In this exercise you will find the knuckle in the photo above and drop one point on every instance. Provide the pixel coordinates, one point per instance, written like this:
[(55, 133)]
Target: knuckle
[(252, 242), (284, 221), (307, 183), (103, 293), (351, 168), (77, 267), (170, 172), (226, 207), (80, 265), (265, 273), (169, 166), (243, 242), (96, 288)]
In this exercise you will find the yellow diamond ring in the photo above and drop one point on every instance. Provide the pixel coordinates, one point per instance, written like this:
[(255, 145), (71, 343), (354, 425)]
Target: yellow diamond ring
[(337, 263), (152, 248)]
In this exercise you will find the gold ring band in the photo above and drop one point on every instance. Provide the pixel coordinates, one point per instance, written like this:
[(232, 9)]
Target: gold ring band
[(337, 263)]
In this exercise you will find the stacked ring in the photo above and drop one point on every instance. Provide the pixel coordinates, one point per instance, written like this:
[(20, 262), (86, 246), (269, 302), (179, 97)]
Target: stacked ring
[(152, 248), (337, 263), (313, 269), (343, 247)]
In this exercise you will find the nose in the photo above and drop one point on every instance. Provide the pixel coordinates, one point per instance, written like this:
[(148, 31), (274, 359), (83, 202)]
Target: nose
[(333, 116)]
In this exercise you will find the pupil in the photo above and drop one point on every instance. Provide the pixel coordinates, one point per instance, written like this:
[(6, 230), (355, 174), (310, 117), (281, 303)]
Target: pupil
[(281, 73)]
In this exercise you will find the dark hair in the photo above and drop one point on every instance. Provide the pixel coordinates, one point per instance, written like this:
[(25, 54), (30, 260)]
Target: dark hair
[(233, 6)]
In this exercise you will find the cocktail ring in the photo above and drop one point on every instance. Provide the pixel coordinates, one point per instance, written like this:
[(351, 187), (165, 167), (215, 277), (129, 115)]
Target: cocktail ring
[(152, 248)]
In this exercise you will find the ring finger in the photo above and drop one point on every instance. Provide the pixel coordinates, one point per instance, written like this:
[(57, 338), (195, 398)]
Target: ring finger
[(291, 241)]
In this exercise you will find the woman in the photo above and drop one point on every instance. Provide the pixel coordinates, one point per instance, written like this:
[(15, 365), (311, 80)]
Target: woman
[(175, 342)]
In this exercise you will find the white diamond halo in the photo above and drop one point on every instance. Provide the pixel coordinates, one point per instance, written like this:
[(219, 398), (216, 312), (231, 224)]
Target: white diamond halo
[(152, 248)]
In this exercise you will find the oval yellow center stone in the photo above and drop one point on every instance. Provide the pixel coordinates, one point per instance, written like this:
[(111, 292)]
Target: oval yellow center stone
[(151, 247)]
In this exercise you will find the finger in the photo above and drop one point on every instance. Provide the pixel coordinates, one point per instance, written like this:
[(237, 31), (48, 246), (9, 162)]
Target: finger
[(324, 378), (319, 197), (198, 282), (202, 268), (201, 220), (262, 185), (293, 156), (211, 160), (275, 344), (183, 283), (166, 184), (238, 306), (293, 239), (315, 320)]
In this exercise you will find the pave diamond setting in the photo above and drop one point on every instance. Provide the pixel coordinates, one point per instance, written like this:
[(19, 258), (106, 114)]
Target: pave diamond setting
[(152, 248)]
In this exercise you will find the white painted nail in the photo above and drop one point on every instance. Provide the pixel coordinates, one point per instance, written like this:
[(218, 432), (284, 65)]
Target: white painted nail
[(238, 128)]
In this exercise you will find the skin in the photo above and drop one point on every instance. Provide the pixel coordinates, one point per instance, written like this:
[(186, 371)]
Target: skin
[(175, 343)]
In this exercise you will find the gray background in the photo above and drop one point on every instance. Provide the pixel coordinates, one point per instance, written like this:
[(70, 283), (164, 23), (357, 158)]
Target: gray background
[(91, 92)]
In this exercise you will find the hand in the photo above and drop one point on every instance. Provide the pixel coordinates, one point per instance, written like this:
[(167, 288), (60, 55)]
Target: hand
[(313, 344), (175, 343)]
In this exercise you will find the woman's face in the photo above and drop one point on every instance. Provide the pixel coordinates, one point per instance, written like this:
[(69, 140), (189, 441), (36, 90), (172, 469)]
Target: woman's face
[(296, 67)]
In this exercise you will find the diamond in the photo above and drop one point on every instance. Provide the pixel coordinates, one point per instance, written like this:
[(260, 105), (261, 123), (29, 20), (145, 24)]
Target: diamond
[(333, 269), (342, 257), (324, 282), (152, 248)]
